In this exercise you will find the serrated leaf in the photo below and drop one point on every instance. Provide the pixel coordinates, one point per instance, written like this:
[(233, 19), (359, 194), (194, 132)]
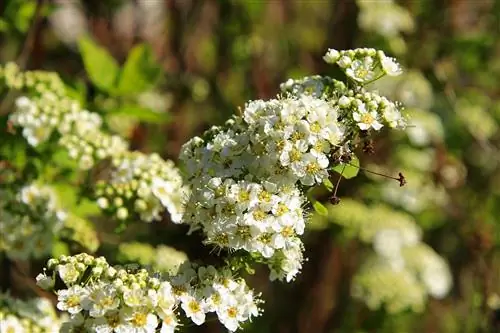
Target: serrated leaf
[(348, 170), (141, 114), (320, 208), (328, 184), (100, 66), (140, 72)]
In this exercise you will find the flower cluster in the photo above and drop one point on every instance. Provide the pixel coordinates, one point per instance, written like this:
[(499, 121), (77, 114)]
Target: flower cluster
[(102, 298), (363, 65), (378, 285), (37, 82), (163, 258), (247, 177), (399, 255), (78, 129), (367, 110), (29, 220), (141, 185), (36, 315)]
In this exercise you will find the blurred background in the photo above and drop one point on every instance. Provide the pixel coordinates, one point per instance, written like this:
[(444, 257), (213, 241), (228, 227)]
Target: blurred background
[(202, 60)]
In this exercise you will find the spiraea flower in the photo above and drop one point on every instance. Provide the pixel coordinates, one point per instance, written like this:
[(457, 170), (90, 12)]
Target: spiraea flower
[(142, 185), (105, 298), (90, 147), (246, 179), (29, 221)]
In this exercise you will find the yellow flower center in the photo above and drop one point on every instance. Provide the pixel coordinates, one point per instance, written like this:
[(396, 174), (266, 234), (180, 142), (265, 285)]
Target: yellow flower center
[(282, 209), (315, 128), (243, 196), (295, 155), (265, 196), (73, 300), (367, 118), (107, 301), (194, 306), (259, 215), (232, 312), (312, 168), (139, 320), (297, 136), (287, 231)]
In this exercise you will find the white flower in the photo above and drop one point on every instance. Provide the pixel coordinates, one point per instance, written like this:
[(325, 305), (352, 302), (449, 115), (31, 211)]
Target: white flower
[(162, 190), (230, 315), (169, 322), (194, 309), (389, 65), (101, 299), (137, 320), (166, 298), (11, 324), (70, 299), (134, 297), (108, 323), (361, 70), (392, 115), (366, 119), (68, 273)]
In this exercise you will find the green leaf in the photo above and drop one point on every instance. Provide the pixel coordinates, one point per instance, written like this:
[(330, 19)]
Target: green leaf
[(328, 184), (320, 208), (141, 114), (24, 16), (101, 67), (140, 72), (348, 170)]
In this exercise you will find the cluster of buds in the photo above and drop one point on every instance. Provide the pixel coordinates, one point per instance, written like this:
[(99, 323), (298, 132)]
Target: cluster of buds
[(36, 315), (363, 65), (29, 221), (141, 186), (247, 178), (100, 297), (36, 82), (78, 130)]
